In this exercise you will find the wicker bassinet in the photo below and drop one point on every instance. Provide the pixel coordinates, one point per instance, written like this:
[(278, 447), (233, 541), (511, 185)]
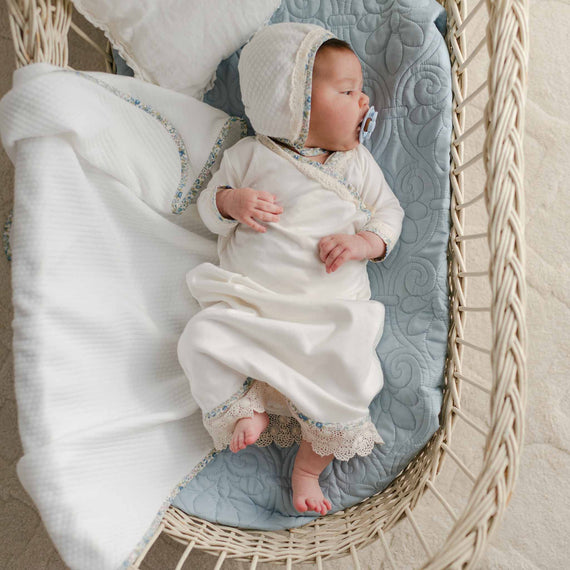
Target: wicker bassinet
[(449, 525)]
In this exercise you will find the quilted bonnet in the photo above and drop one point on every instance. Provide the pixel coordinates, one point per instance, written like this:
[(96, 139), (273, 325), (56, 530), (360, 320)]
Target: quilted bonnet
[(275, 74)]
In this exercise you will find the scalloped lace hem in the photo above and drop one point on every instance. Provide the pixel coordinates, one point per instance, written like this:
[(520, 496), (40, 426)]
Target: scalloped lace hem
[(288, 425), (343, 444)]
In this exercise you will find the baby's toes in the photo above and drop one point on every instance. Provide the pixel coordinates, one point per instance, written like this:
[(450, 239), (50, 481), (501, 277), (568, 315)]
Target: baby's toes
[(328, 504), (312, 504), (235, 443), (300, 505), (249, 437)]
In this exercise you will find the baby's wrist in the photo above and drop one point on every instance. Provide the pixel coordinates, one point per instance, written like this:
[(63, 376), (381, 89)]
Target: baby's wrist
[(221, 201), (374, 245)]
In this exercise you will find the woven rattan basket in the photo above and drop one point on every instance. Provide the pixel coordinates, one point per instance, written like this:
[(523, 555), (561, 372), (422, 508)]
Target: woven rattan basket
[(443, 508)]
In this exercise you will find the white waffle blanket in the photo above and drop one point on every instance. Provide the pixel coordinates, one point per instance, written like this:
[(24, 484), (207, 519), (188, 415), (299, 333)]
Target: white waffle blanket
[(107, 421)]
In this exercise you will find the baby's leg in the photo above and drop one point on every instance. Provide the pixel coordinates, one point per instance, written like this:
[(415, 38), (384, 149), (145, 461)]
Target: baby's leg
[(307, 494), (248, 430)]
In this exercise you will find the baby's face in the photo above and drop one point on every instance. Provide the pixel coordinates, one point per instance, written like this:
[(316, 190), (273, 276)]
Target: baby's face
[(338, 105)]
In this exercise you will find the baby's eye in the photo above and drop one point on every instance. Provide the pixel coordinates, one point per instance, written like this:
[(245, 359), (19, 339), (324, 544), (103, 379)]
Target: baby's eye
[(347, 91)]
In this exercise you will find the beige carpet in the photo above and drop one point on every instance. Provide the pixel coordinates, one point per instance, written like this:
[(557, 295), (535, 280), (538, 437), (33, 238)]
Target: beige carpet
[(535, 530)]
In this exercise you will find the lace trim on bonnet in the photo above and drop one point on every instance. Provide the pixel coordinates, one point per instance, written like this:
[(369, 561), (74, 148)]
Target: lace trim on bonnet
[(288, 425), (300, 102)]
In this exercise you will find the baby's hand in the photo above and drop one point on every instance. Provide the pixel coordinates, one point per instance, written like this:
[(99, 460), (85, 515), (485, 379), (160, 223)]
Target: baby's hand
[(243, 204), (335, 249)]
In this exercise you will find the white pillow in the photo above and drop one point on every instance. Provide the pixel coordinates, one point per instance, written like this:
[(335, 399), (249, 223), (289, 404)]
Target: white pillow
[(177, 44)]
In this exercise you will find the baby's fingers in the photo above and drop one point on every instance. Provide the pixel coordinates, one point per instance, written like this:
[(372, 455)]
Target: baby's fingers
[(326, 245), (253, 224), (265, 215), (266, 196), (336, 258), (270, 207)]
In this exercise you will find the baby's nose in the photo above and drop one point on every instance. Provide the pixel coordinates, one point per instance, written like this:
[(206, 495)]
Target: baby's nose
[(364, 100)]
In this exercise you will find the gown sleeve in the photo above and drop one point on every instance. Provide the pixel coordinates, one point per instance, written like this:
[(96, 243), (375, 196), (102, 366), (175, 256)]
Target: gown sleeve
[(387, 214), (224, 177)]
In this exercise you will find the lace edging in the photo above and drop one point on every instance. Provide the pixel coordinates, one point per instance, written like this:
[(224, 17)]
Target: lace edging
[(343, 444), (221, 425), (283, 430), (301, 83), (327, 177), (341, 440)]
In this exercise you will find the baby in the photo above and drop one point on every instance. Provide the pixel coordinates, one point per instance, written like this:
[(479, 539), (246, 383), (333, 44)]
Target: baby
[(288, 308)]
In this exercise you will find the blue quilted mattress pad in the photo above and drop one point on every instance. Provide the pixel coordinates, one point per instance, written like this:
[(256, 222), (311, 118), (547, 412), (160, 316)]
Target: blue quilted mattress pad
[(407, 75)]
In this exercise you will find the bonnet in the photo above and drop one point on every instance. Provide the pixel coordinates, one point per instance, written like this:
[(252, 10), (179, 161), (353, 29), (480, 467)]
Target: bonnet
[(275, 75)]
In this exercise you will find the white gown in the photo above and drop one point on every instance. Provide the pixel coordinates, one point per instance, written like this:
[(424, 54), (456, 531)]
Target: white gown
[(276, 332)]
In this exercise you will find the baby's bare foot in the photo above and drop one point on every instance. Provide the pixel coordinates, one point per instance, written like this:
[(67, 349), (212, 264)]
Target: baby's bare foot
[(307, 494), (248, 430)]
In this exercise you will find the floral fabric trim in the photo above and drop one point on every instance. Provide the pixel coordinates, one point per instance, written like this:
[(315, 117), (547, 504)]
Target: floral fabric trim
[(136, 552), (344, 440), (253, 396), (182, 152), (179, 204), (225, 405), (288, 425), (331, 174), (215, 206), (305, 151)]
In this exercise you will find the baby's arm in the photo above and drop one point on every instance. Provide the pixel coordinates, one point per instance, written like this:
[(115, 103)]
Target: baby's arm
[(222, 205), (383, 229), (376, 239), (375, 245), (208, 200)]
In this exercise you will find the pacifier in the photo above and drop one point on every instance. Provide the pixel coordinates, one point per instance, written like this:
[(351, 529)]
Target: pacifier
[(368, 124)]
